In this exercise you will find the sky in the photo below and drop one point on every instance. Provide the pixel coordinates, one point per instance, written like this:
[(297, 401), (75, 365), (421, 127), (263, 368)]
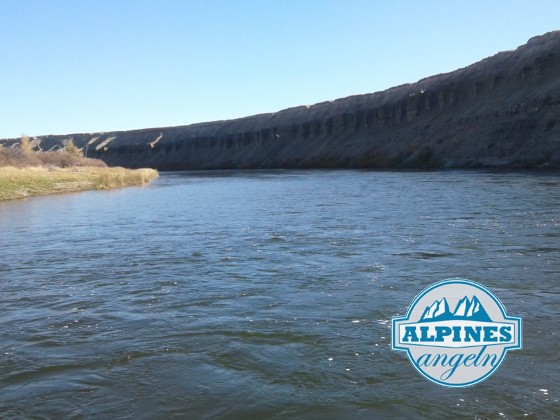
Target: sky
[(75, 66)]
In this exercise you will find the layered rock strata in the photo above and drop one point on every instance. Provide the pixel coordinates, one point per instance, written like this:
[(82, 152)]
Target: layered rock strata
[(503, 111)]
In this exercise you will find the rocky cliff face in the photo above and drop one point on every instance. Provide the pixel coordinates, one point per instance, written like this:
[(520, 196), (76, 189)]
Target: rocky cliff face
[(503, 111)]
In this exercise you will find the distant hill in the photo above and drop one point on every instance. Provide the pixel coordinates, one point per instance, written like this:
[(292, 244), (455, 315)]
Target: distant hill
[(503, 112)]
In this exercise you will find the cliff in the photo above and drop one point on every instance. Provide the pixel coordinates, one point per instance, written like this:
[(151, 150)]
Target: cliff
[(503, 111)]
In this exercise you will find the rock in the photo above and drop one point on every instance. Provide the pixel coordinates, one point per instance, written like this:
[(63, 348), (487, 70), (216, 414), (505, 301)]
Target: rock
[(503, 111)]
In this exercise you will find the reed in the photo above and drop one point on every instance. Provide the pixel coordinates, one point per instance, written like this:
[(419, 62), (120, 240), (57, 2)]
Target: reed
[(32, 181)]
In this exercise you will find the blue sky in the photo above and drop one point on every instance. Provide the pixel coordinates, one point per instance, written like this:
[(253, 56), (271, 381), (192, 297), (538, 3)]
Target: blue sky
[(69, 66)]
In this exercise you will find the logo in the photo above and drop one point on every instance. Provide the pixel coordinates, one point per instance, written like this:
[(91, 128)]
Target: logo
[(456, 333)]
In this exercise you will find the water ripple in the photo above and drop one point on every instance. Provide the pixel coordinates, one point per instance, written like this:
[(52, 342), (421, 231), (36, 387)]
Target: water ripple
[(269, 294)]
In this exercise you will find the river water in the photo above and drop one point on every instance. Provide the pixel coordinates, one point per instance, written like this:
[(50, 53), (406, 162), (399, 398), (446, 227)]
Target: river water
[(269, 294)]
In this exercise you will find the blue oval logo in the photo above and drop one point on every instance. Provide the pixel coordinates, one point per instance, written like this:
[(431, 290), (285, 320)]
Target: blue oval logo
[(456, 333)]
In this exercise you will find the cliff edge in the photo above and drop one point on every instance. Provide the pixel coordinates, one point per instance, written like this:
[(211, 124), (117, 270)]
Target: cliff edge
[(503, 111)]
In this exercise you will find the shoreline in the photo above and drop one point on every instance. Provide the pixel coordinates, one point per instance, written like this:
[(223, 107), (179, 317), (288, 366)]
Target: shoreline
[(16, 183)]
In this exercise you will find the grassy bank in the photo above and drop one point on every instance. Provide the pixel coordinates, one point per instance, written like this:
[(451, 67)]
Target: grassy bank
[(31, 181)]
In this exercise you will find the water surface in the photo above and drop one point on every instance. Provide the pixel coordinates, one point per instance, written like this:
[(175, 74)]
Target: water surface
[(270, 294)]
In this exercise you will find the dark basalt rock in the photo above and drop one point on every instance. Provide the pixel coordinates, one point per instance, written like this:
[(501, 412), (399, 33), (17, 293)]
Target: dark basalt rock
[(503, 111)]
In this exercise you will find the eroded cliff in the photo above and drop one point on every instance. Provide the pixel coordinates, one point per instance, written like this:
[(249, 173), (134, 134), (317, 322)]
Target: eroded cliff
[(503, 111)]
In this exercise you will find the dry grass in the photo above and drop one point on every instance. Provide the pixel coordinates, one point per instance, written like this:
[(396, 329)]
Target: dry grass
[(20, 158), (25, 173), (31, 181)]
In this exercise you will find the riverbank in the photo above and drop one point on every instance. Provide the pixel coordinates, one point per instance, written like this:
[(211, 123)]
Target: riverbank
[(32, 181)]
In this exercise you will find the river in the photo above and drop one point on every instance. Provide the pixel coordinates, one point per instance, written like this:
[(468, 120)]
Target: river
[(269, 294)]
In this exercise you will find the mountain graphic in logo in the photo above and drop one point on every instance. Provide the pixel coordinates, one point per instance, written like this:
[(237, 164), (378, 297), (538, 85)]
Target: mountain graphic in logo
[(466, 309)]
